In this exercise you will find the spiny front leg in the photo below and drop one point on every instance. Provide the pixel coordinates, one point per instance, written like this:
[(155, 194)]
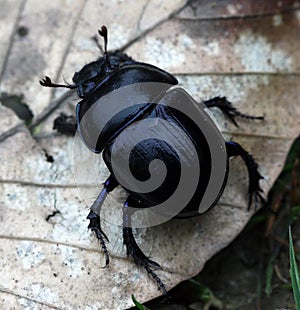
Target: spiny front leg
[(234, 149), (134, 250), (94, 215), (228, 109)]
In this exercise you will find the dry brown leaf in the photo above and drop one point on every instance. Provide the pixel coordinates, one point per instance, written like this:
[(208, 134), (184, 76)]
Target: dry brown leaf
[(56, 264)]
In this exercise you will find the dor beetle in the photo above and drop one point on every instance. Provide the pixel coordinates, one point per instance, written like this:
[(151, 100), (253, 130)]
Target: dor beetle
[(131, 111)]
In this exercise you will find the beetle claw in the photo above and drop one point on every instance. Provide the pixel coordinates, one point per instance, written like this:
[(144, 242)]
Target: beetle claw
[(229, 110), (134, 250), (96, 228), (258, 199), (234, 149), (94, 217), (141, 259)]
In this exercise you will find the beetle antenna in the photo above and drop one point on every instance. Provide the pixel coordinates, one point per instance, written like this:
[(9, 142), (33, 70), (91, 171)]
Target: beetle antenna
[(46, 82), (103, 33)]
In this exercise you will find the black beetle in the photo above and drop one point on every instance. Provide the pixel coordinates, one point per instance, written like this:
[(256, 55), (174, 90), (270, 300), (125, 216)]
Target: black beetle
[(116, 71)]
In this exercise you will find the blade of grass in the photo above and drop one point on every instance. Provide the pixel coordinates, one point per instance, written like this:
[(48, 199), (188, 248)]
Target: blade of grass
[(138, 305), (269, 276), (206, 295), (294, 272)]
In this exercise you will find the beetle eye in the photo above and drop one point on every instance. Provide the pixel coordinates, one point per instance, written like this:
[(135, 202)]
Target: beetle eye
[(114, 62)]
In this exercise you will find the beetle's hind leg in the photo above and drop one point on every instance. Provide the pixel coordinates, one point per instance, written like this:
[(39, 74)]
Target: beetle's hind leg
[(254, 190), (94, 215), (228, 109), (132, 247)]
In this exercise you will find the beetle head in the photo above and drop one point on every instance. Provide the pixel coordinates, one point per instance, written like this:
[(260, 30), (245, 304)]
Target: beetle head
[(90, 75), (93, 73)]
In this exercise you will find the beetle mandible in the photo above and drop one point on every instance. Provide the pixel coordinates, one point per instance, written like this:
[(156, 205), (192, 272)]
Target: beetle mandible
[(125, 132)]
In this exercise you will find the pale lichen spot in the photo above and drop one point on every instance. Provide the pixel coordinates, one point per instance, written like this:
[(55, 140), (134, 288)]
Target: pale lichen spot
[(74, 265), (30, 255), (259, 55), (211, 48), (165, 54), (44, 293), (28, 304), (233, 87)]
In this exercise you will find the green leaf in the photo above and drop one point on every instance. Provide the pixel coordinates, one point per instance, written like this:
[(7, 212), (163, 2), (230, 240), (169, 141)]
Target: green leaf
[(206, 295), (258, 219), (137, 304), (294, 272), (269, 275)]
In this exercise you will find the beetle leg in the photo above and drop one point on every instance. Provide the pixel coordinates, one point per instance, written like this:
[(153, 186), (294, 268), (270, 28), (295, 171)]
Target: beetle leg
[(228, 109), (234, 149), (94, 215), (132, 247)]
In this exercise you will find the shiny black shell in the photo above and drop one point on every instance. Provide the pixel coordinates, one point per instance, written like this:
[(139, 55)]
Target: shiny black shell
[(151, 106), (127, 74)]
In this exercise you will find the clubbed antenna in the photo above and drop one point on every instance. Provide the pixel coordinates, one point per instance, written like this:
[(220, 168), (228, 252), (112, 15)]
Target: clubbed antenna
[(103, 33), (46, 82)]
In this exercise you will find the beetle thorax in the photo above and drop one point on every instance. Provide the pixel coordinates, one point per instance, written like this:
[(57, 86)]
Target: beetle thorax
[(93, 73)]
